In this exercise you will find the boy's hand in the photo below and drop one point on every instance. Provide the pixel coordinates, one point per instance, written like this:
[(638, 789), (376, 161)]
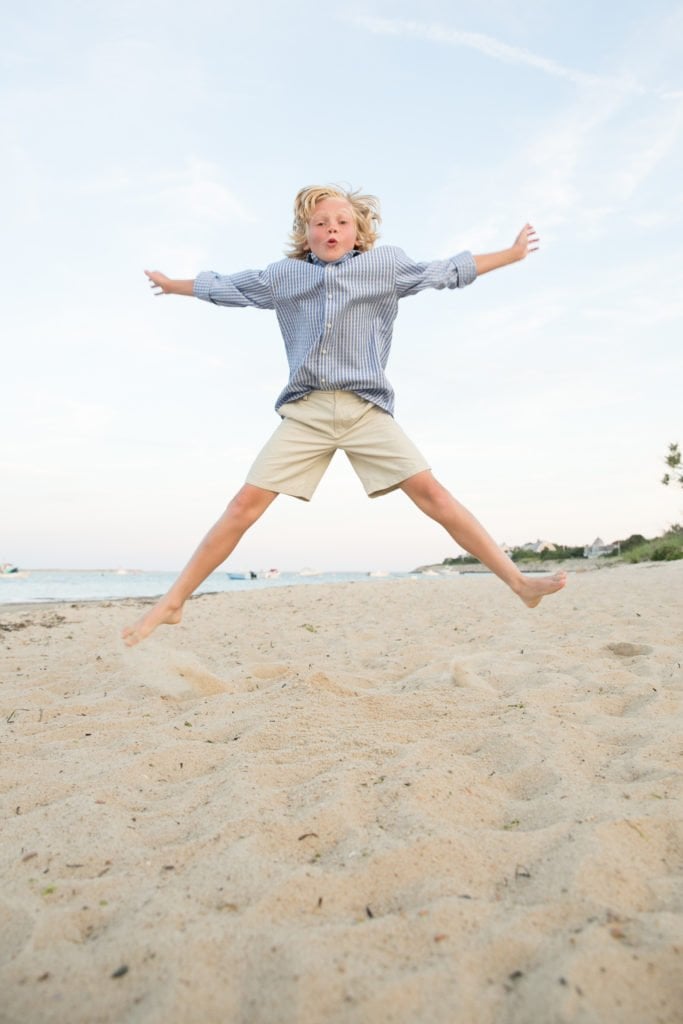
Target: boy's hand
[(526, 242), (162, 285)]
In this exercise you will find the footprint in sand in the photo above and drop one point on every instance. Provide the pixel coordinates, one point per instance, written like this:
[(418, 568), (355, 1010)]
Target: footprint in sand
[(442, 675), (463, 675), (175, 673), (628, 650)]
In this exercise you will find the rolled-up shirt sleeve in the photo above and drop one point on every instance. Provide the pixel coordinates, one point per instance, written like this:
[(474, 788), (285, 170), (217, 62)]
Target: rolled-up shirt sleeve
[(454, 272), (246, 288)]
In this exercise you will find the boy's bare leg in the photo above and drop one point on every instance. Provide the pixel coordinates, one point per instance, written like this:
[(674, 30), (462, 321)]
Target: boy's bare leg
[(434, 500), (245, 508)]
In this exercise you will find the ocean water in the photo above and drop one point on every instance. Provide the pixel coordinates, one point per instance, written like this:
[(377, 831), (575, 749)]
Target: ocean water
[(42, 585)]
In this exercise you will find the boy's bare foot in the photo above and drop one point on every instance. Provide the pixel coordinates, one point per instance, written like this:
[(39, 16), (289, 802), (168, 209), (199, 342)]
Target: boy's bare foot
[(161, 614), (532, 590)]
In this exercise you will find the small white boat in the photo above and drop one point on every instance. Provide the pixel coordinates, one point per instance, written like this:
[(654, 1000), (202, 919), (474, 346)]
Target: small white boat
[(269, 574), (242, 575), (310, 572), (11, 572)]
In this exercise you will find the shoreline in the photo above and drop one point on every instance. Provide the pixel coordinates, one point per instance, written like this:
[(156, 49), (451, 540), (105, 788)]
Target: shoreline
[(426, 572), (421, 578)]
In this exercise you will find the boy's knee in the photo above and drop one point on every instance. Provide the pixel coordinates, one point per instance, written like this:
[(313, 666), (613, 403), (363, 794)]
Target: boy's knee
[(425, 487), (430, 495), (248, 504), (440, 501)]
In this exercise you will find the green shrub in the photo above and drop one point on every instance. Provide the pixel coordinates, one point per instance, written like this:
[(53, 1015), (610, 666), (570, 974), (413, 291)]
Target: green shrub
[(520, 555), (634, 541), (658, 550), (668, 552)]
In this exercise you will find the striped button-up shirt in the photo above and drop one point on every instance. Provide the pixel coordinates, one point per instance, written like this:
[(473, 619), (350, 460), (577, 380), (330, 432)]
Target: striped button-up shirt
[(336, 318)]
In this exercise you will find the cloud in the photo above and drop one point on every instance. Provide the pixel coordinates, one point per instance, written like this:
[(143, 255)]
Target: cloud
[(593, 163), (550, 180), (591, 160), (493, 48)]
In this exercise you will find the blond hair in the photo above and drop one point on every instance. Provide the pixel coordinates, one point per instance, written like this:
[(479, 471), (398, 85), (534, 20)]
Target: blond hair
[(365, 211)]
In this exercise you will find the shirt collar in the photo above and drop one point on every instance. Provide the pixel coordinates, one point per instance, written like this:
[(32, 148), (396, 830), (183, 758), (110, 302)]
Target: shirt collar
[(312, 258)]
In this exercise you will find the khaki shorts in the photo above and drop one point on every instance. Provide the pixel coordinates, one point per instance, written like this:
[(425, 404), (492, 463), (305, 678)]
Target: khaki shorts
[(313, 428)]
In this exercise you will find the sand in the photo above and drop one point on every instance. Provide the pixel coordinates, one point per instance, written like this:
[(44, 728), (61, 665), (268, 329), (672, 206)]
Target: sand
[(393, 801)]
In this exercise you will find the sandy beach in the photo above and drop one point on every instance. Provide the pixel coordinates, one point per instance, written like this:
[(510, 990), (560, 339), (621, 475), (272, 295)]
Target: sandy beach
[(397, 801)]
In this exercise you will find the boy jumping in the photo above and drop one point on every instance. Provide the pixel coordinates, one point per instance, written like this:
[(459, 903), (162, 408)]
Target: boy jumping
[(336, 299)]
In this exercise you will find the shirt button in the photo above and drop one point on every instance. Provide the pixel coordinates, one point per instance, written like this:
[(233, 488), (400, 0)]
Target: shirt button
[(329, 323)]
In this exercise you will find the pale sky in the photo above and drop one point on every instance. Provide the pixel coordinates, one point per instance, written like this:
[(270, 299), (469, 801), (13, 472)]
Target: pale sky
[(155, 135)]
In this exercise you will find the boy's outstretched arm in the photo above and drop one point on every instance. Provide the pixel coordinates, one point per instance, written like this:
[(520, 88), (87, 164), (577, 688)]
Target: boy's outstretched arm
[(526, 242), (162, 285)]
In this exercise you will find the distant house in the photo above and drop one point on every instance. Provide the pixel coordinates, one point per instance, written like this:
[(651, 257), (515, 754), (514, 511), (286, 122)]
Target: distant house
[(539, 546), (598, 547)]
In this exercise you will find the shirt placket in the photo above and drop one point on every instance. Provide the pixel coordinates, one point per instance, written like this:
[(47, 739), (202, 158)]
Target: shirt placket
[(326, 339)]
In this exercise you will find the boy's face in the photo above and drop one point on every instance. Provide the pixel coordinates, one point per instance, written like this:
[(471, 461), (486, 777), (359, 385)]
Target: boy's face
[(331, 231)]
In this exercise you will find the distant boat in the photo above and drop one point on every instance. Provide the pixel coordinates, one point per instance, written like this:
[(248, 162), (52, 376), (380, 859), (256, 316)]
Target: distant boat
[(241, 575), (269, 574), (310, 572), (9, 571)]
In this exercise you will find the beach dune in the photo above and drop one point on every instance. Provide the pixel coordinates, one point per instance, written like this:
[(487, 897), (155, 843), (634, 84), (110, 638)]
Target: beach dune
[(393, 801)]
